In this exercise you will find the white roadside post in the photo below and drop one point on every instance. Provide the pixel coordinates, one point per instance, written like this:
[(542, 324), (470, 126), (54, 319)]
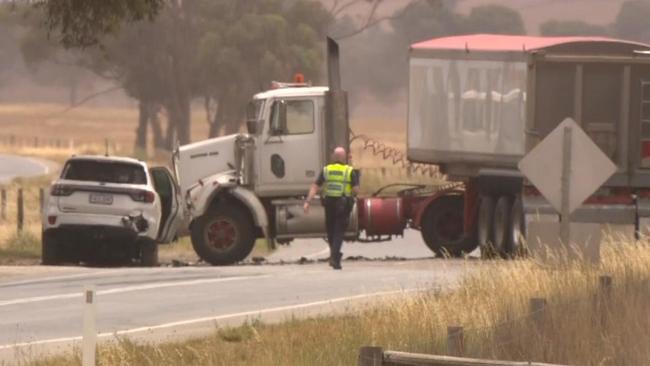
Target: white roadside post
[(89, 341)]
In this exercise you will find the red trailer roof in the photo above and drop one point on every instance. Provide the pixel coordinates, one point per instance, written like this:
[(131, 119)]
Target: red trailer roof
[(506, 43)]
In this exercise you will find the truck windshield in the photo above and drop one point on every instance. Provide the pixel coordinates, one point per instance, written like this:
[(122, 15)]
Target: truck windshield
[(253, 110), (105, 172)]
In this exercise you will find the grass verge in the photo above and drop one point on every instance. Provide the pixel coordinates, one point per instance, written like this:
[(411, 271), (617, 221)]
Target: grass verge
[(492, 305)]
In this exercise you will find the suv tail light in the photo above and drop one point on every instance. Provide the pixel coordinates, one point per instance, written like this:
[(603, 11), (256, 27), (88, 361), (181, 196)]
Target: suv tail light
[(61, 190), (142, 195)]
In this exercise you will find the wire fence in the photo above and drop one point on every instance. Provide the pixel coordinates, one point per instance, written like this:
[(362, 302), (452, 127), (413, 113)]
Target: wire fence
[(21, 206)]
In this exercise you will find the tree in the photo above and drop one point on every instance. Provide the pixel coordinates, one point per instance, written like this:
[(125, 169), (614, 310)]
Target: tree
[(82, 23), (632, 21), (555, 28), (9, 54), (247, 45), (494, 19)]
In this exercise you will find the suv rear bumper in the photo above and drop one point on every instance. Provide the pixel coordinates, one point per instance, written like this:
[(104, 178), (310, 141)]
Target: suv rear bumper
[(92, 233), (110, 224)]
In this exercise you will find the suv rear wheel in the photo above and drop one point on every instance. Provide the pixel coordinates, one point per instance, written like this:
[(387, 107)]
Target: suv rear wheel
[(223, 235), (148, 253), (51, 250)]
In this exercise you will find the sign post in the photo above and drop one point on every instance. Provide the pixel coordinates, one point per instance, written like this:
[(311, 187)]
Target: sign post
[(565, 222)]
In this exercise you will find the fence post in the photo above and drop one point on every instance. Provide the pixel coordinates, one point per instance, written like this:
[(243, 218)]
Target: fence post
[(537, 312), (41, 198), (3, 204), (604, 298), (20, 208), (89, 341), (455, 341), (371, 356)]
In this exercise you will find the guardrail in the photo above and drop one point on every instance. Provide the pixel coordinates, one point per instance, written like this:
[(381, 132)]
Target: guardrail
[(376, 356)]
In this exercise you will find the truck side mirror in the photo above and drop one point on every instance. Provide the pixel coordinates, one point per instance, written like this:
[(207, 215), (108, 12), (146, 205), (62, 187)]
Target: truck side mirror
[(253, 126), (279, 118)]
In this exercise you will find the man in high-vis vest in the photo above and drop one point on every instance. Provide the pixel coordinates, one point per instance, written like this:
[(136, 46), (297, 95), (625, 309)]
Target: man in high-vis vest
[(340, 185)]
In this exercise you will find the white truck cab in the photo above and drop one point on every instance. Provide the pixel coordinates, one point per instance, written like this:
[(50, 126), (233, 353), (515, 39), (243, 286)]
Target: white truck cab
[(243, 187)]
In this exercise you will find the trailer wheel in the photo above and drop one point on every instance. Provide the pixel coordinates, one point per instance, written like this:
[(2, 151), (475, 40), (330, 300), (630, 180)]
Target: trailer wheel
[(486, 227), (517, 242), (442, 227), (223, 235), (502, 217)]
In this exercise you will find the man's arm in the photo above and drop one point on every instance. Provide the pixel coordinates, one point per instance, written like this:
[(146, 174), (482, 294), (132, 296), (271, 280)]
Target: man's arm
[(315, 187), (356, 182)]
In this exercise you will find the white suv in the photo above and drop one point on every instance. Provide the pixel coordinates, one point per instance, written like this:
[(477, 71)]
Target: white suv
[(109, 209)]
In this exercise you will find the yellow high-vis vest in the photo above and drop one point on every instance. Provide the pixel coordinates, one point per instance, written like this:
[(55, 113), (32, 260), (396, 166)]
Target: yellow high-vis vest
[(338, 180)]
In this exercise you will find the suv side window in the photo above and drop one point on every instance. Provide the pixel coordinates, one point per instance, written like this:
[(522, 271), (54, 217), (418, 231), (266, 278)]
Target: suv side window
[(300, 117)]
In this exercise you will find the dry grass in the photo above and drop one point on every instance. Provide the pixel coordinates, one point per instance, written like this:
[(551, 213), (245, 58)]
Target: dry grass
[(492, 305)]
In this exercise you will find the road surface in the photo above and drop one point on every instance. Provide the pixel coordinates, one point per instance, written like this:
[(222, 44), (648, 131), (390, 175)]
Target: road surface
[(42, 311), (12, 166)]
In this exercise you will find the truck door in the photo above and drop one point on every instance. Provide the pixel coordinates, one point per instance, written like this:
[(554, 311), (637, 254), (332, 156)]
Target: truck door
[(290, 149), (170, 203), (640, 125)]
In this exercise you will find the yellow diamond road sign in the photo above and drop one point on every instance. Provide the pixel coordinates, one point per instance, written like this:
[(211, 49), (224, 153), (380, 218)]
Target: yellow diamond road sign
[(590, 167)]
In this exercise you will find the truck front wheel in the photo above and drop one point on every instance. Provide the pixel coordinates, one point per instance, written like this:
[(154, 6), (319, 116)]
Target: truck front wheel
[(223, 235), (442, 227)]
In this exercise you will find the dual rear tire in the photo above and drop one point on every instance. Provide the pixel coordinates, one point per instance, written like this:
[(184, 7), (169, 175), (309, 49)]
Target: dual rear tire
[(501, 227)]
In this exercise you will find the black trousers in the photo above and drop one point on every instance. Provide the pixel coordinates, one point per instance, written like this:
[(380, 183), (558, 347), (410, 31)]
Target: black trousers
[(337, 215)]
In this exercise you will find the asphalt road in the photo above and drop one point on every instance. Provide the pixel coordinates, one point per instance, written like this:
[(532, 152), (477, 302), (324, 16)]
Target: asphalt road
[(43, 311), (12, 166)]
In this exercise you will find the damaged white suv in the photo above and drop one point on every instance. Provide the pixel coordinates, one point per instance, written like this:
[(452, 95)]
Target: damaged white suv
[(109, 209)]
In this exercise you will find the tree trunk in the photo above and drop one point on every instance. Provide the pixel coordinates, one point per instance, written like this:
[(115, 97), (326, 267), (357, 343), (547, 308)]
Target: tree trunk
[(154, 119), (141, 130), (229, 116), (73, 88), (172, 119)]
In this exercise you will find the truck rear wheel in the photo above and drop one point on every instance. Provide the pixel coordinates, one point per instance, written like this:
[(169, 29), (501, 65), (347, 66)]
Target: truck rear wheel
[(517, 247), (502, 217), (442, 227), (223, 235), (486, 227)]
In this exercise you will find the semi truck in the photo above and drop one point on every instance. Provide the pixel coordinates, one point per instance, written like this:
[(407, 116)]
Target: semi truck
[(477, 104)]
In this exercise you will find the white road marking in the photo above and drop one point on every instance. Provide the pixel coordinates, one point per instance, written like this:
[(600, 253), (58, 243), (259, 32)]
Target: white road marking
[(216, 318), (128, 289), (62, 277)]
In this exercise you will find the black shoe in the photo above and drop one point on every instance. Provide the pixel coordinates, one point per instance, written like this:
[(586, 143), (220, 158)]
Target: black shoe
[(335, 261)]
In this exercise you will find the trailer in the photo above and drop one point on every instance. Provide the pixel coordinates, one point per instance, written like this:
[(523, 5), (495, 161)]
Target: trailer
[(479, 103)]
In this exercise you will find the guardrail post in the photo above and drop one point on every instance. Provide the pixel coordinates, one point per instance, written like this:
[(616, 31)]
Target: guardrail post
[(3, 204), (455, 341), (20, 209), (89, 341), (371, 356), (604, 298)]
